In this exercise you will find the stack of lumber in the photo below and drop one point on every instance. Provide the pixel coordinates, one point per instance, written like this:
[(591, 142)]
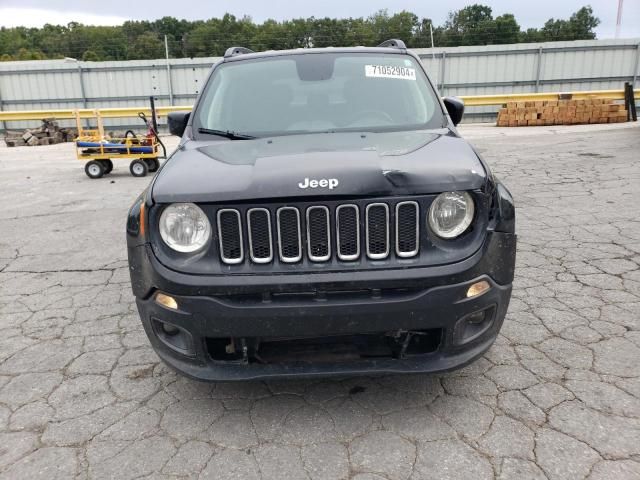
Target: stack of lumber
[(561, 112), (48, 134)]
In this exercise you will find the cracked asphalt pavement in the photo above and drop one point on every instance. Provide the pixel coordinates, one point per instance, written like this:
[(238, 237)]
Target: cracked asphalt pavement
[(82, 394)]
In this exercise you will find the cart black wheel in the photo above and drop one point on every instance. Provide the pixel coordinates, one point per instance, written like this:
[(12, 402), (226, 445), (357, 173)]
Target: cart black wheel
[(108, 166), (138, 168), (153, 164), (94, 169)]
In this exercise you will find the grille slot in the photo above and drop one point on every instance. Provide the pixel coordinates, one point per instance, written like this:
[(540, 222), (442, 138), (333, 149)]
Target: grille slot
[(259, 230), (230, 236), (318, 234), (289, 236), (407, 229), (377, 230), (348, 232)]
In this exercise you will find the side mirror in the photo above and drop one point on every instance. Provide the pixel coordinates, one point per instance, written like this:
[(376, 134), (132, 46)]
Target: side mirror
[(455, 107), (177, 122)]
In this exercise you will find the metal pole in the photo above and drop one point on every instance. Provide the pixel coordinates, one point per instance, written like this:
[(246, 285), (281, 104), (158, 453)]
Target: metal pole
[(619, 19), (154, 117), (635, 67), (433, 53), (3, 124), (166, 53), (442, 72), (82, 92), (539, 68)]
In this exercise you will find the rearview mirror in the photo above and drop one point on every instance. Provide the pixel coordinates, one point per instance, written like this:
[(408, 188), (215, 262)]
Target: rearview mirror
[(177, 122), (455, 107)]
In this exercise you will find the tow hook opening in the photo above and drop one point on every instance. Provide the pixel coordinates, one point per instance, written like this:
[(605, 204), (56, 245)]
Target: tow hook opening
[(398, 344), (411, 342)]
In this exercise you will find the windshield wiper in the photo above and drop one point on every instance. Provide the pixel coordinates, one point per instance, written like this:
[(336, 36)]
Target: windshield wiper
[(226, 134)]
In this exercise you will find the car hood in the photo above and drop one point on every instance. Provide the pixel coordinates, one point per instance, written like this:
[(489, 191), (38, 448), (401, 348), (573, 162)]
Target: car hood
[(364, 164)]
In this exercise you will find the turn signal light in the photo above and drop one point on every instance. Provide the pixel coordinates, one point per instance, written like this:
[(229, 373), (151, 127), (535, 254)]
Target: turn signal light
[(478, 288), (166, 301)]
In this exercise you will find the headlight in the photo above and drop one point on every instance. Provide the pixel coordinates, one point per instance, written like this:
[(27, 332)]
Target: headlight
[(451, 213), (184, 227)]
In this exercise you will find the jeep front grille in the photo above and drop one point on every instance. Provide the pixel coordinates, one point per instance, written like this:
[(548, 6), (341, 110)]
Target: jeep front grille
[(290, 233)]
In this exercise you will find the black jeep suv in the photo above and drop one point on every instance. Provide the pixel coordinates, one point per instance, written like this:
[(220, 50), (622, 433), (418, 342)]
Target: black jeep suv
[(321, 216)]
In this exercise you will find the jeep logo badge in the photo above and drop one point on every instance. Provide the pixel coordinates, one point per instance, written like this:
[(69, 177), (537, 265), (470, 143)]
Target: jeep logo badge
[(322, 183)]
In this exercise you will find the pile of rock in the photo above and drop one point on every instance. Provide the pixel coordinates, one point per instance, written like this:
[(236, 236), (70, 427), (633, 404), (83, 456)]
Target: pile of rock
[(48, 134)]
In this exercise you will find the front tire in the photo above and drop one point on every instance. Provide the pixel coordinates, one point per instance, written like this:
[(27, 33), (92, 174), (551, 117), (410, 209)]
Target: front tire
[(139, 168), (94, 169)]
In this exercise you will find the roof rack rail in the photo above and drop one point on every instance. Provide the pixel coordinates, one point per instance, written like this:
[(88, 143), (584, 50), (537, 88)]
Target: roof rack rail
[(393, 43), (233, 51)]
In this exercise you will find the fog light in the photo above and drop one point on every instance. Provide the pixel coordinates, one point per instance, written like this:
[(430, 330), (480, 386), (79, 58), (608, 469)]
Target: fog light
[(475, 318), (478, 288), (166, 301), (176, 338), (473, 325), (170, 329)]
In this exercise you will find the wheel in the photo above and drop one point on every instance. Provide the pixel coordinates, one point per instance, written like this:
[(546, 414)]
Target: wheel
[(138, 168), (153, 164), (108, 166), (94, 169)]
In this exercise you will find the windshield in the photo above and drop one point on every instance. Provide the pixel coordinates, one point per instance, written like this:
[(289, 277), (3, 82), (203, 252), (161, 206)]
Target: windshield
[(325, 92)]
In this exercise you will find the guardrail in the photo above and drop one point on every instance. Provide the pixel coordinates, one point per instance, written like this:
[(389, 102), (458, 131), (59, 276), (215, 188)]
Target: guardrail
[(470, 101), (488, 100), (70, 113)]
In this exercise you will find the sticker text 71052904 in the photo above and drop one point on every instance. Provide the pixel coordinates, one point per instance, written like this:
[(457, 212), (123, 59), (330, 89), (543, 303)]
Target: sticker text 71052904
[(390, 71)]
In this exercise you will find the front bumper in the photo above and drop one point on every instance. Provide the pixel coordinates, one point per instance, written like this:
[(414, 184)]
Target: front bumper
[(430, 299)]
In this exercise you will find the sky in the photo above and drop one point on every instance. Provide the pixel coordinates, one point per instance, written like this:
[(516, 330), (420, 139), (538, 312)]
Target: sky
[(528, 13)]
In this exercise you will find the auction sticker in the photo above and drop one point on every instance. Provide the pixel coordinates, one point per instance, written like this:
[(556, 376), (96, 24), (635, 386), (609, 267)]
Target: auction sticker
[(390, 71)]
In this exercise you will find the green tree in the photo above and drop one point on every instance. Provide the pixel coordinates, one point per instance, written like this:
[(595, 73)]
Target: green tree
[(326, 32), (24, 54), (91, 56), (358, 32), (507, 29), (147, 45), (422, 34), (268, 36), (580, 26), (12, 40), (471, 25), (583, 24), (402, 25), (531, 35)]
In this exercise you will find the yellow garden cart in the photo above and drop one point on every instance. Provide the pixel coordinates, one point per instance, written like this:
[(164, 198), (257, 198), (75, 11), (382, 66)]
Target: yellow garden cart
[(98, 150)]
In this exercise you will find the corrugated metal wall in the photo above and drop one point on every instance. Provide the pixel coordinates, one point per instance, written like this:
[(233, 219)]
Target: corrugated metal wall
[(532, 67), (478, 70), (50, 84)]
